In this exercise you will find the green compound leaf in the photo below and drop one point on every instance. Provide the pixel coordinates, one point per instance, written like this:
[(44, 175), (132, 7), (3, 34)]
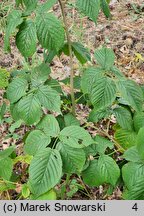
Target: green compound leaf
[(140, 142), (49, 125), (2, 110), (133, 176), (123, 117), (5, 153), (30, 4), (116, 72), (131, 172), (89, 77), (77, 80), (71, 120), (6, 167), (40, 74), (81, 53), (103, 93), (15, 125), (103, 170), (14, 111), (25, 191), (46, 6), (73, 158), (131, 93), (4, 75), (16, 89), (14, 19), (97, 114), (75, 136), (5, 186), (137, 191), (26, 38), (108, 170), (102, 144), (138, 120), (35, 141), (99, 146), (45, 171), (29, 109), (49, 98), (105, 57), (105, 8), (132, 154), (54, 84), (50, 31), (90, 175), (89, 8), (126, 138), (50, 195)]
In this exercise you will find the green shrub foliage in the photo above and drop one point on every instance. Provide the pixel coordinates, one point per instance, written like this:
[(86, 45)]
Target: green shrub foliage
[(59, 145)]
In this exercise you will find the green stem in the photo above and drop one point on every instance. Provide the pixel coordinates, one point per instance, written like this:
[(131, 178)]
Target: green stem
[(105, 133), (14, 183), (71, 56), (80, 97), (55, 142), (88, 194), (63, 196)]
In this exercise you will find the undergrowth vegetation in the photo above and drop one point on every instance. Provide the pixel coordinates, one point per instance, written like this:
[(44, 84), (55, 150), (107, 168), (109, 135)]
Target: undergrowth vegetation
[(58, 150)]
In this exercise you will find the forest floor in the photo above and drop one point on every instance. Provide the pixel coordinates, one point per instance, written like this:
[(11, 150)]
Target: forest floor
[(124, 33)]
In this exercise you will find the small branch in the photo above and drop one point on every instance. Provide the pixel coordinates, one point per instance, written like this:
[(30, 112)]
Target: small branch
[(66, 184), (105, 133), (87, 192), (71, 56)]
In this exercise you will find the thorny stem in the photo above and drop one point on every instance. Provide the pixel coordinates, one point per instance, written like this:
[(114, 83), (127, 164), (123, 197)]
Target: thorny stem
[(8, 196), (88, 194), (115, 151), (65, 186), (105, 133), (14, 183), (71, 56)]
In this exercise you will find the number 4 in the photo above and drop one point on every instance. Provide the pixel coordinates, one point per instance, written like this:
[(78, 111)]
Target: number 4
[(135, 207)]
